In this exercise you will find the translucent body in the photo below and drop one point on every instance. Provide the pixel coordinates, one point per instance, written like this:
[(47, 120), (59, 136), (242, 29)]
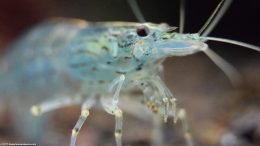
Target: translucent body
[(66, 60), (73, 56), (33, 68)]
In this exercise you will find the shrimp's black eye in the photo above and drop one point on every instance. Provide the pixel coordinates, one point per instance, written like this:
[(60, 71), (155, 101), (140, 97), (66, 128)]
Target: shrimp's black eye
[(142, 31)]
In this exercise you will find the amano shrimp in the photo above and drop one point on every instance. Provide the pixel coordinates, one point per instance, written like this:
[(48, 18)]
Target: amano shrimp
[(74, 61)]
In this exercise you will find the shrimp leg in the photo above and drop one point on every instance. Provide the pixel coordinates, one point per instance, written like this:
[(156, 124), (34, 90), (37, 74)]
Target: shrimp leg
[(150, 100), (167, 97), (157, 134), (117, 83), (135, 108), (113, 108), (83, 116), (168, 100), (178, 114), (117, 112), (185, 126), (53, 104)]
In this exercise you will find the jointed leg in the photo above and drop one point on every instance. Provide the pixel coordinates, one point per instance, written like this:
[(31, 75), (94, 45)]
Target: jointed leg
[(54, 104), (83, 116), (185, 125), (119, 125), (134, 107), (168, 99), (157, 135), (114, 109), (117, 84), (177, 114), (117, 112)]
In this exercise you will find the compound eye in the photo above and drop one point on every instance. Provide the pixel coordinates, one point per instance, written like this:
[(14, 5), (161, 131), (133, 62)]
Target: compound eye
[(142, 31)]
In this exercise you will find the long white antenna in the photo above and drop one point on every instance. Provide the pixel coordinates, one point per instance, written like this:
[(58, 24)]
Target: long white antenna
[(226, 67), (182, 16), (136, 10), (222, 10), (211, 17), (229, 41)]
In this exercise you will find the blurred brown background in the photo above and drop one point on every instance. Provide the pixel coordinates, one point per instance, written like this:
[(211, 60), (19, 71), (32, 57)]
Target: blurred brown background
[(212, 103)]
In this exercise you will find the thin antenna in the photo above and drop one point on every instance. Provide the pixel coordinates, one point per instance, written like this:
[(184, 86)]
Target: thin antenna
[(238, 43), (219, 14), (211, 17), (227, 68), (230, 71), (136, 10), (182, 16)]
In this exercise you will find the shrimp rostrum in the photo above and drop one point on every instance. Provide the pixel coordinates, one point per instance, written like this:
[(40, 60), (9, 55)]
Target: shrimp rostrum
[(72, 61)]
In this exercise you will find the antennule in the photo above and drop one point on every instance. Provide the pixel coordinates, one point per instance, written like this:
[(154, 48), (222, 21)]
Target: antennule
[(136, 10), (182, 16), (218, 13), (211, 17)]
